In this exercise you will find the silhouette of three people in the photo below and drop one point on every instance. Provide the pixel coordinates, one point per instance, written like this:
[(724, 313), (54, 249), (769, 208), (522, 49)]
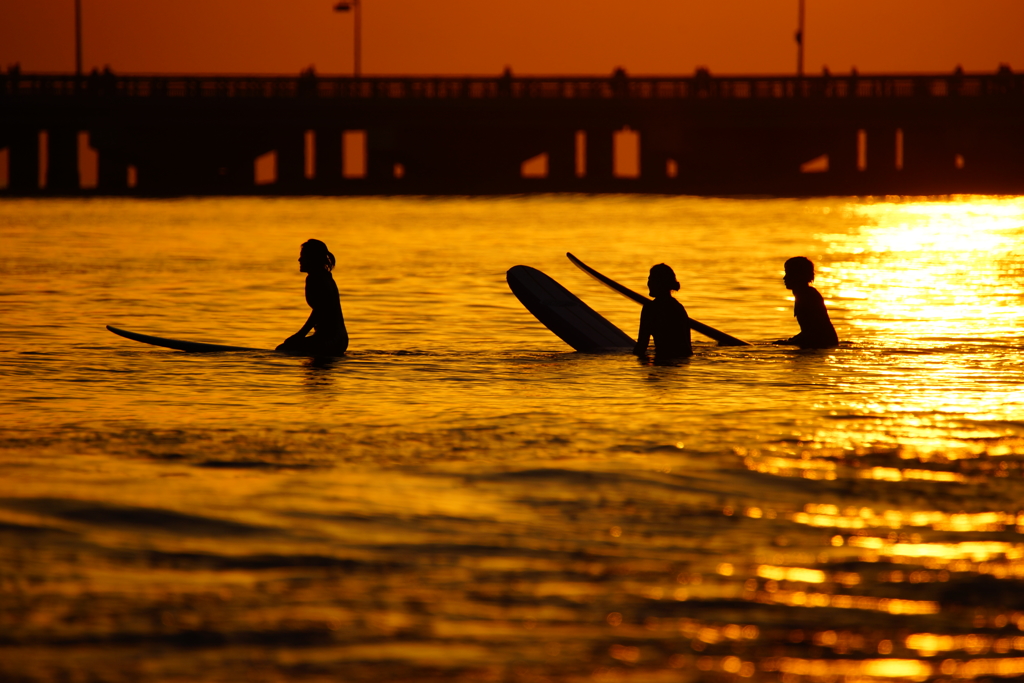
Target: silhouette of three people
[(663, 318)]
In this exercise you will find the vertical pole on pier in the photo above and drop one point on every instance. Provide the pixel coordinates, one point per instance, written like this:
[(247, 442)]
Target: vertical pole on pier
[(357, 30), (800, 41), (358, 19), (78, 37)]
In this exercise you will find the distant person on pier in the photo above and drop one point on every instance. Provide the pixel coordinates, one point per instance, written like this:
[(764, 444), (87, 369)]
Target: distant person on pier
[(505, 82), (329, 338), (816, 330), (620, 82), (664, 318)]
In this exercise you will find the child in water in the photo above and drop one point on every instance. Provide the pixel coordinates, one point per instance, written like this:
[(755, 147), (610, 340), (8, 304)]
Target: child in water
[(665, 319), (329, 338), (816, 330)]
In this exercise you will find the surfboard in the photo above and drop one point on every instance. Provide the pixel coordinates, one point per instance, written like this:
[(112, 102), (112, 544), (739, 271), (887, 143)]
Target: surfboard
[(562, 312), (179, 344), (722, 338)]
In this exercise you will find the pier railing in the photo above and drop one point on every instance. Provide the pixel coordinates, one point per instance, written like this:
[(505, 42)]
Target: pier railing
[(702, 85)]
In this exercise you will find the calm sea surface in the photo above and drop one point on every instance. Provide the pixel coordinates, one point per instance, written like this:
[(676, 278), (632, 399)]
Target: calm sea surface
[(463, 497)]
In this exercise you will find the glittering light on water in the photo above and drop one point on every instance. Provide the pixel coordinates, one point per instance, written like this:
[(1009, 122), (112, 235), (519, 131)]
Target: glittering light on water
[(917, 268), (930, 644), (911, 669), (791, 574), (866, 518)]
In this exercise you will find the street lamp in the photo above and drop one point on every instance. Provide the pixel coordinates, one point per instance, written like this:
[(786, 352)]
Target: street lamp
[(354, 5), (78, 38), (800, 41)]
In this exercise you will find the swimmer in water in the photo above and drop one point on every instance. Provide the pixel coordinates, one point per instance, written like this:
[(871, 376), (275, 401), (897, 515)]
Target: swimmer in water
[(664, 318), (816, 330), (329, 338)]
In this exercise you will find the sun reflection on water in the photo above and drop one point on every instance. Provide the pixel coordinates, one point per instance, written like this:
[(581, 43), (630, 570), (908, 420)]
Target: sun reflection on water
[(848, 515), (918, 271)]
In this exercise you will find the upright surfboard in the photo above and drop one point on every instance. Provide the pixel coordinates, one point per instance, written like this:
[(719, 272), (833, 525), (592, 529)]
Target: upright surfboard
[(562, 312), (179, 344), (722, 338)]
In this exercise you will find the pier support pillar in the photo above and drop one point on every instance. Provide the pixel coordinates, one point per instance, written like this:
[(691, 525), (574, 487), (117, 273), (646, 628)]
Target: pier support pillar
[(600, 155), (291, 161), (62, 161), (23, 161), (328, 158), (112, 174)]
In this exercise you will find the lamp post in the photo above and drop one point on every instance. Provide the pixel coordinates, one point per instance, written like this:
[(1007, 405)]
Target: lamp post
[(354, 5), (800, 41), (78, 38)]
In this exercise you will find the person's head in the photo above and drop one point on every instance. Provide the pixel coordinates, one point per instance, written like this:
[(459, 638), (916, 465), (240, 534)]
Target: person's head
[(662, 280), (799, 271), (314, 256)]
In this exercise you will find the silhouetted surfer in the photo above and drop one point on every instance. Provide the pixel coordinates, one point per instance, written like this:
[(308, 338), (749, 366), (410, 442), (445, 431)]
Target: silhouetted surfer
[(665, 319), (816, 330), (329, 338)]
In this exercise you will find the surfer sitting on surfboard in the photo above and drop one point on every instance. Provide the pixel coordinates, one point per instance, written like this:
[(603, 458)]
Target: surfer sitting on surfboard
[(329, 338), (816, 330), (664, 318)]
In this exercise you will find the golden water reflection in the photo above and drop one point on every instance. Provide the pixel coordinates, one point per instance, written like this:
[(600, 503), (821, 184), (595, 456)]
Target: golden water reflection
[(455, 501), (932, 292), (932, 270)]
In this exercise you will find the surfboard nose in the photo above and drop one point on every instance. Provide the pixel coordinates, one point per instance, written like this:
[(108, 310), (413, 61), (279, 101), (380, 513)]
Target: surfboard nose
[(562, 312)]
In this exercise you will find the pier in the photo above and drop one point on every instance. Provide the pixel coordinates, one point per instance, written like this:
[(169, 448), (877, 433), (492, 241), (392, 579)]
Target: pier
[(918, 134)]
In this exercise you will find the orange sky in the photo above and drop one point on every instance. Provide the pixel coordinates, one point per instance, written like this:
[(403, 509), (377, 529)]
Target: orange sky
[(531, 36)]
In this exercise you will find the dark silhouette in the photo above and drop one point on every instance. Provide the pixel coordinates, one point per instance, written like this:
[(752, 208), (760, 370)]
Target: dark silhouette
[(620, 82), (307, 86), (702, 82), (957, 83), (198, 135), (505, 83), (1004, 79), (665, 319), (816, 330), (329, 338)]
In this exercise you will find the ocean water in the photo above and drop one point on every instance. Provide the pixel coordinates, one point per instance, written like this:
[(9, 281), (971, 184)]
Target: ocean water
[(463, 497)]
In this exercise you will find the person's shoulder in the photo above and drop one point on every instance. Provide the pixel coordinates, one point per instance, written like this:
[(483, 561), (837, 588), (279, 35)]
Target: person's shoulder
[(676, 305), (808, 293), (320, 276)]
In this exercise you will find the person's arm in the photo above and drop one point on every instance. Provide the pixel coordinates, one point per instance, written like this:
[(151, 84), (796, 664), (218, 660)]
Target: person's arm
[(797, 339), (305, 328), (317, 296), (684, 330), (311, 297), (298, 336), (643, 335), (816, 329)]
